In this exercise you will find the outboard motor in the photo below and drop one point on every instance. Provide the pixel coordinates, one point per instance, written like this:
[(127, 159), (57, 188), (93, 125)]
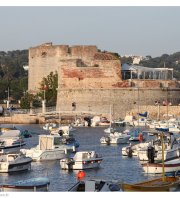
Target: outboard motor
[(150, 154), (70, 163), (88, 120), (60, 132), (129, 151), (107, 139)]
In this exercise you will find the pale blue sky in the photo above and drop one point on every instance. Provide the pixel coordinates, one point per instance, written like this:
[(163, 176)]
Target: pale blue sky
[(125, 30)]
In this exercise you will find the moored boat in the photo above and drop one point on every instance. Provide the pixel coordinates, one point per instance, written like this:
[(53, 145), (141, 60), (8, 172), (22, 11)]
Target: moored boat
[(82, 160), (154, 185), (50, 147), (11, 144), (156, 168), (30, 185), (115, 138), (14, 163), (95, 185)]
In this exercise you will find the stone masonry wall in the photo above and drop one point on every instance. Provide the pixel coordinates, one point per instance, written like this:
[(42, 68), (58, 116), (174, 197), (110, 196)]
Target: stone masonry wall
[(46, 58), (123, 100)]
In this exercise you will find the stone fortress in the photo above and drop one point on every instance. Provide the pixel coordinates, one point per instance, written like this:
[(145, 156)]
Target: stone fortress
[(93, 80)]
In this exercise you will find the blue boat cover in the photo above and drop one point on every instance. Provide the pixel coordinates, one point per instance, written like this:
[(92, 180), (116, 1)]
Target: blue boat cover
[(162, 129), (145, 114), (31, 182)]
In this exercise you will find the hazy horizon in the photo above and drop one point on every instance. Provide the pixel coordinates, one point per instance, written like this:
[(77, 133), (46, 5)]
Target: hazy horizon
[(126, 30)]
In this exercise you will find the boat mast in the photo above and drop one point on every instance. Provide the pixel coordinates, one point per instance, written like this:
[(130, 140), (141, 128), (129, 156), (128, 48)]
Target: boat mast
[(110, 116), (162, 142)]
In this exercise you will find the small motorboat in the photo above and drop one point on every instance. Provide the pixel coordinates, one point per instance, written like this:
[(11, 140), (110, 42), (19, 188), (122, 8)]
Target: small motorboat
[(50, 147), (115, 138), (81, 160), (156, 168), (136, 135), (104, 122), (11, 144), (48, 126), (109, 130), (40, 184), (25, 134), (14, 162), (96, 185)]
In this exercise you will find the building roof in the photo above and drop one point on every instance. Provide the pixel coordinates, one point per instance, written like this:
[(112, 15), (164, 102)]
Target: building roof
[(126, 67)]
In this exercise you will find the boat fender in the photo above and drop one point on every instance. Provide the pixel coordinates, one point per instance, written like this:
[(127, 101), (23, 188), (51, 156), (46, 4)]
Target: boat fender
[(140, 137)]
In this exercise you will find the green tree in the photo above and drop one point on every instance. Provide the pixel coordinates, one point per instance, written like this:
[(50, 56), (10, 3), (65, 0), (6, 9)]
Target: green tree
[(27, 100), (48, 89)]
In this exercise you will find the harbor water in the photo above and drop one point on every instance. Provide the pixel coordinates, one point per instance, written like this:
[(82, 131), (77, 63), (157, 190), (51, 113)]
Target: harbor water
[(113, 167)]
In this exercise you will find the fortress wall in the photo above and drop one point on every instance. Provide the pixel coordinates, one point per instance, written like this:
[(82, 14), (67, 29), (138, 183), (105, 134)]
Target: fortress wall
[(46, 58), (123, 100), (106, 74)]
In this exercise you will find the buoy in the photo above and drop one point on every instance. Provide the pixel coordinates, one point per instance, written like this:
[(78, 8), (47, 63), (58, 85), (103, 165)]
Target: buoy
[(140, 137), (81, 175)]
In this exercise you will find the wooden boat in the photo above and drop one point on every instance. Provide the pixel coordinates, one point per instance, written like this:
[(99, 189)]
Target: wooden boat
[(154, 185), (30, 185), (160, 184)]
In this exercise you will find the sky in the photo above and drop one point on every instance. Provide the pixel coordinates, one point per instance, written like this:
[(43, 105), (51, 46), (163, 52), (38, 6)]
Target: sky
[(136, 30)]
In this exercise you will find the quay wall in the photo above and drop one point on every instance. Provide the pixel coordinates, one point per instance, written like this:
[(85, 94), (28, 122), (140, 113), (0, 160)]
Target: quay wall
[(122, 100)]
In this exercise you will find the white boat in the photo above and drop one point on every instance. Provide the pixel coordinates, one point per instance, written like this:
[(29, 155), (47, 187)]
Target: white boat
[(62, 130), (140, 122), (95, 185), (14, 163), (115, 138), (109, 130), (132, 150), (156, 168), (171, 151), (11, 144), (136, 135), (50, 147), (81, 160), (47, 126), (40, 184)]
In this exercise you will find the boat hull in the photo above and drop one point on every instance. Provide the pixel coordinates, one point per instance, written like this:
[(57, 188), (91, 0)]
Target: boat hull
[(81, 165), (155, 185), (47, 155), (31, 185), (156, 168)]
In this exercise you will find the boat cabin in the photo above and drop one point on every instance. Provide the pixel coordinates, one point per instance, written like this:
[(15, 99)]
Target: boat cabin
[(49, 142), (95, 185), (85, 155)]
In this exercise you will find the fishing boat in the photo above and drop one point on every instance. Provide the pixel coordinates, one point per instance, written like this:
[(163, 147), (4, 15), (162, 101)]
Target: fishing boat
[(14, 163), (115, 138), (156, 168), (154, 185), (163, 183), (40, 184), (81, 160), (171, 147), (96, 185), (50, 147)]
